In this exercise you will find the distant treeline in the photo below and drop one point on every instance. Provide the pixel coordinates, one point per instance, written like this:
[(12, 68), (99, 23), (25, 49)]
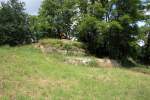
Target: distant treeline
[(109, 28)]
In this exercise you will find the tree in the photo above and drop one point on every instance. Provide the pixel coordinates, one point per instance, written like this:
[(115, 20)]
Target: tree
[(14, 23), (108, 27), (126, 14), (91, 27), (120, 36), (57, 15), (92, 33), (147, 46), (146, 30), (35, 25)]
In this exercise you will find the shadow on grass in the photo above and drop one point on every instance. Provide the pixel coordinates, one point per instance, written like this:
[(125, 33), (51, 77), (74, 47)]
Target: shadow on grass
[(130, 64)]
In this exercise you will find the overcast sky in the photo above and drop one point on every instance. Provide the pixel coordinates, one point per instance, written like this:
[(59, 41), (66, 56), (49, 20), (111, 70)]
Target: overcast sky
[(32, 6)]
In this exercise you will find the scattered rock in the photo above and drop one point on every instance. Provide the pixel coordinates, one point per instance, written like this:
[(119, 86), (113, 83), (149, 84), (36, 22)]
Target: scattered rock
[(107, 62), (77, 60)]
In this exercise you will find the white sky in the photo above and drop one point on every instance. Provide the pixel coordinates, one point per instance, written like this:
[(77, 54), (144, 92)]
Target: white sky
[(32, 6)]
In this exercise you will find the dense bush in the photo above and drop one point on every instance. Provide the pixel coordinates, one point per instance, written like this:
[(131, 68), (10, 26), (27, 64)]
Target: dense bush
[(14, 27)]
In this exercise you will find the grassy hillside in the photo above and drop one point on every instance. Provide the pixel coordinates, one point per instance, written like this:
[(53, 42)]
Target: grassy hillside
[(28, 73)]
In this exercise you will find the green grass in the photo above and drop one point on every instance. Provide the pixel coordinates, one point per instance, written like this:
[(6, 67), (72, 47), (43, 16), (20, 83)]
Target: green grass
[(28, 74), (64, 44)]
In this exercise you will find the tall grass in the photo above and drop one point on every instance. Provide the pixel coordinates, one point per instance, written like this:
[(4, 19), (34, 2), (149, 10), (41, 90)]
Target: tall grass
[(28, 74)]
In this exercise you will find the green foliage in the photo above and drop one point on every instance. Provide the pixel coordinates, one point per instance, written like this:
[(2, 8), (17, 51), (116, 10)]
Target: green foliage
[(110, 27), (96, 10), (89, 32), (58, 16), (13, 23), (145, 55), (62, 44)]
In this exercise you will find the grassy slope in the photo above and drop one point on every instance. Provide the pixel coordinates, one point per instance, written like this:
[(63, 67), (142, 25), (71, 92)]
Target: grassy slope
[(28, 74)]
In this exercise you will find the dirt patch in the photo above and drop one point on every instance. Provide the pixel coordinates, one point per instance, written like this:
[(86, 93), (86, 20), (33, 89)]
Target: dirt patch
[(78, 60), (107, 62), (78, 53), (45, 48), (87, 60)]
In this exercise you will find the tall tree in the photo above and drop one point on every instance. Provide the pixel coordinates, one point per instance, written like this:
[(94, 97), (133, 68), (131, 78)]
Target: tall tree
[(13, 22), (121, 17), (146, 30), (108, 27), (91, 26), (122, 41), (58, 15)]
